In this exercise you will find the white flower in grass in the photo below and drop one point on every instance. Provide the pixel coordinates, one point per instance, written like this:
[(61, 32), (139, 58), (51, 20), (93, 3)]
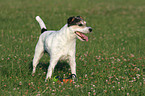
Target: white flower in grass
[(132, 55), (122, 88), (20, 83), (137, 75), (118, 59), (14, 89), (85, 75), (89, 93)]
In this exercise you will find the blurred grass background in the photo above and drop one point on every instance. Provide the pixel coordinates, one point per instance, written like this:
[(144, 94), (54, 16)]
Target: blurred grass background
[(108, 64)]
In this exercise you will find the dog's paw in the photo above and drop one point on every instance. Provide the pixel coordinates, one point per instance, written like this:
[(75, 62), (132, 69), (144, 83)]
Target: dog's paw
[(46, 80), (74, 77), (33, 74)]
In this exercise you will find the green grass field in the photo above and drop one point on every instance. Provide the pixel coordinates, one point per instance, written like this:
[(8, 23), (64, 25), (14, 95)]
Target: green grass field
[(111, 63)]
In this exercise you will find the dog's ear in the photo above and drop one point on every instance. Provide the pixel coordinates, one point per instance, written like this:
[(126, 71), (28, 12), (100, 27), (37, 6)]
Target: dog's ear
[(70, 20)]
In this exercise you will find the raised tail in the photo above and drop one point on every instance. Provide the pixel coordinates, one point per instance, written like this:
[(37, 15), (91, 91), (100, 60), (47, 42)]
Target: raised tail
[(41, 23)]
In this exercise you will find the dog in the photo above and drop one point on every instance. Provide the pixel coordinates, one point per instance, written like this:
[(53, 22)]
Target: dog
[(60, 44)]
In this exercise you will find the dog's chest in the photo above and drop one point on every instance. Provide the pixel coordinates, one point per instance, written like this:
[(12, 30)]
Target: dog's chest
[(66, 52), (62, 49), (67, 49)]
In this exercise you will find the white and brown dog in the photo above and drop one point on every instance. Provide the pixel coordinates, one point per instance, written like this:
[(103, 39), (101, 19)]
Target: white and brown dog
[(60, 44)]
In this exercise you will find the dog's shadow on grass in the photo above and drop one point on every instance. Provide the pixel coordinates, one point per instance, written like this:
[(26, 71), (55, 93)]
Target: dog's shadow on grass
[(61, 66)]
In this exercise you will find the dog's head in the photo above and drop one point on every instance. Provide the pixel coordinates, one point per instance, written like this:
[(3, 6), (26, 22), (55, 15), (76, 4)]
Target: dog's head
[(78, 26)]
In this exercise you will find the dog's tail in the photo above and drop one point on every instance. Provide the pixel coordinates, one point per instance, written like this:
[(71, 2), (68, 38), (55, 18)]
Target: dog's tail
[(41, 23)]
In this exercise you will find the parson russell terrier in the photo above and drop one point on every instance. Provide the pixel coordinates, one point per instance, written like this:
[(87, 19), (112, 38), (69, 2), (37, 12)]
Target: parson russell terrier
[(60, 44)]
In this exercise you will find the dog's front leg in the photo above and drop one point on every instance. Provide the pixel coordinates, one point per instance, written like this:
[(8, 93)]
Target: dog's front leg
[(73, 65), (73, 68), (53, 62)]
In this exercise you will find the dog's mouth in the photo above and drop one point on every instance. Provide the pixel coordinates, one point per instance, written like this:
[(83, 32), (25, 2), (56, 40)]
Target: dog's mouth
[(81, 36)]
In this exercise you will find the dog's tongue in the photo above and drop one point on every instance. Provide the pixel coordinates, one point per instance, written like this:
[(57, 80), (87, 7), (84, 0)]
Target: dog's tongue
[(85, 37), (82, 36)]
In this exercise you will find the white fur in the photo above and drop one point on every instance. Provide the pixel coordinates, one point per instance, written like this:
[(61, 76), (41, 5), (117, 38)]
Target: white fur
[(59, 44)]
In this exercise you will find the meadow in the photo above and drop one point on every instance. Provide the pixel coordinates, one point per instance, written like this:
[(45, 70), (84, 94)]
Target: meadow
[(111, 63)]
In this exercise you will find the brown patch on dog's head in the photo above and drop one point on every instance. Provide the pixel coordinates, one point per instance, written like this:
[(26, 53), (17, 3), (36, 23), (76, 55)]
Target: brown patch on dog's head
[(74, 20)]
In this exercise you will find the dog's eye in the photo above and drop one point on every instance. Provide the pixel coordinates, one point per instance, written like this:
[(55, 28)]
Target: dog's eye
[(80, 24)]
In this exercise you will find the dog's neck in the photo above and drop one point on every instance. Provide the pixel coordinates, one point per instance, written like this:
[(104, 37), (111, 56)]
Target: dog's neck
[(66, 33)]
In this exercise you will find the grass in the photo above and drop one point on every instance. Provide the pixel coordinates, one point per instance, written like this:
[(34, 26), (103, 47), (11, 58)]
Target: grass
[(112, 62)]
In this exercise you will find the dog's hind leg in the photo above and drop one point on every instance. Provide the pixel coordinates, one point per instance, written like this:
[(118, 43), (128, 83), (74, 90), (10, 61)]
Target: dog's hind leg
[(53, 62), (39, 51)]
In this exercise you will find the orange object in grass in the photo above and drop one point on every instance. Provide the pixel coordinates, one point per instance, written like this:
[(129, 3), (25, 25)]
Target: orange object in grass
[(67, 80)]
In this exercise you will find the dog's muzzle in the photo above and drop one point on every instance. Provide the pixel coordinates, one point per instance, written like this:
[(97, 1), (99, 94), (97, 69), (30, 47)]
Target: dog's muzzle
[(81, 36)]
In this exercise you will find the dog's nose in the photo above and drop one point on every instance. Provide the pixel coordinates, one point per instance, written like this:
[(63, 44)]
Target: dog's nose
[(90, 29)]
